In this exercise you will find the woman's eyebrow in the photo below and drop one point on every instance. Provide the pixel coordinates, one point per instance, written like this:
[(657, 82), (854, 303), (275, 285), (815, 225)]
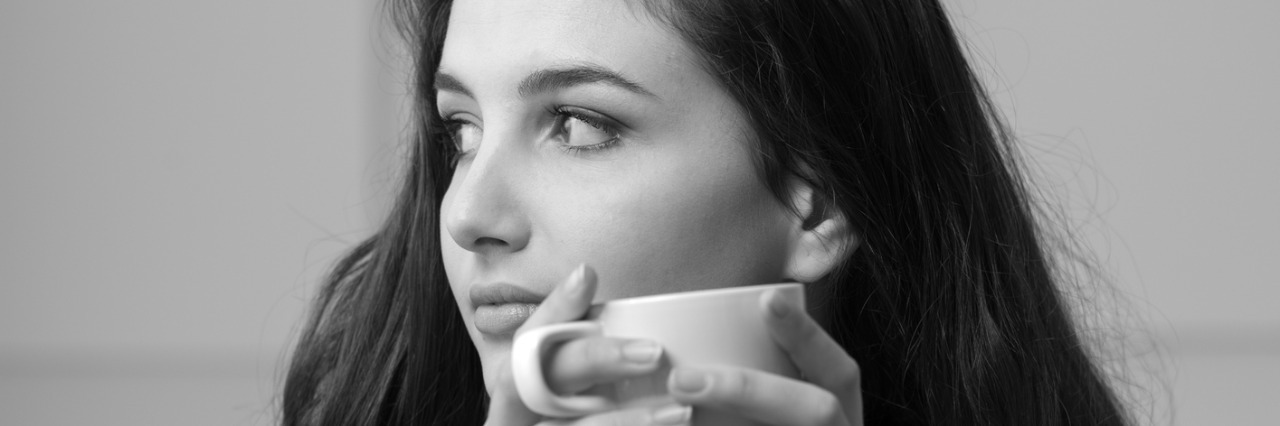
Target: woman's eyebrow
[(449, 83), (545, 80), (549, 79)]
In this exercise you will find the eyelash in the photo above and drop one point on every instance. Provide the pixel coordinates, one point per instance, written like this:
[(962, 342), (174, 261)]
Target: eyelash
[(452, 150), (592, 119), (561, 113)]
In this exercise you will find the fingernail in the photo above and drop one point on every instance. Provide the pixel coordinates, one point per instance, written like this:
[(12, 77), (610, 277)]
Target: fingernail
[(777, 304), (576, 278), (673, 414), (641, 352), (689, 383)]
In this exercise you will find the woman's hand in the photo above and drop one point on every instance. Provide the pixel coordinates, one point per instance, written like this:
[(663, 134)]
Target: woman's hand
[(581, 363), (832, 396)]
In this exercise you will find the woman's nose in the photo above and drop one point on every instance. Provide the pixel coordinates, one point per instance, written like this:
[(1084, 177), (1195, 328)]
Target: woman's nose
[(485, 214)]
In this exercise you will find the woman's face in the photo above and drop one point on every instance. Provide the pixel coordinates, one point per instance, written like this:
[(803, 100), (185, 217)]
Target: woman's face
[(590, 134)]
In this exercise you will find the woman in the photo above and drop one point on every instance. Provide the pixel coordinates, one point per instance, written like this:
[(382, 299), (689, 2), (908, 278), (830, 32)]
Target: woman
[(675, 145)]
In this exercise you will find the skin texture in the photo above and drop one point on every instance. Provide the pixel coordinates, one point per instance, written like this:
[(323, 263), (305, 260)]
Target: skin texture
[(674, 205), (663, 197)]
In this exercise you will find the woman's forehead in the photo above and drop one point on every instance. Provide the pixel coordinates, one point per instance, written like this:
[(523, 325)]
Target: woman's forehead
[(506, 40)]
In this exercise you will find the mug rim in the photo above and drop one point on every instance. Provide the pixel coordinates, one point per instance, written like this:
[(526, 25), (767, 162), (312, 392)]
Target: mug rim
[(696, 294)]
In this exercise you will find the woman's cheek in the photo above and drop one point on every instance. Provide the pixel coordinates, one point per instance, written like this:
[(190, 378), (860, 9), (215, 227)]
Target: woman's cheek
[(672, 235)]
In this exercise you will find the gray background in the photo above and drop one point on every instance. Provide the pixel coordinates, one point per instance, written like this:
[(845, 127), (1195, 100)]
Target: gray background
[(176, 176)]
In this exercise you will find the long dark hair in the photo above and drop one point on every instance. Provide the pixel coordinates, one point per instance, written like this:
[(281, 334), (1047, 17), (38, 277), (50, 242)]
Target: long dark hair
[(949, 304)]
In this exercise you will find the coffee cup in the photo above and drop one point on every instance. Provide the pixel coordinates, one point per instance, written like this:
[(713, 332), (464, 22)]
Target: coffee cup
[(723, 326)]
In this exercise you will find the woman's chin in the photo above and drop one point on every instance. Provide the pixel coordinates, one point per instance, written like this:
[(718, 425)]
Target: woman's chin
[(492, 356)]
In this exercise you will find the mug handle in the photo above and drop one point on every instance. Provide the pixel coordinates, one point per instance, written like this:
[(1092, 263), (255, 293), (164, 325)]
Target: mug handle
[(526, 365)]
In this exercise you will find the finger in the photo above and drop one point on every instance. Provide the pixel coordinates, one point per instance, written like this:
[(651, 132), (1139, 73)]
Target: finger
[(663, 415), (818, 357), (754, 394), (505, 406), (582, 363), (567, 302)]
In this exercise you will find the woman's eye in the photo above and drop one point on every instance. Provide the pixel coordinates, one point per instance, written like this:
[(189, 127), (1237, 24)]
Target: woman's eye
[(581, 130), (464, 134)]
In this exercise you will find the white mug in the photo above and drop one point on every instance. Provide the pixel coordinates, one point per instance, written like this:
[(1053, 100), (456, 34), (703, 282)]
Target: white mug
[(721, 326)]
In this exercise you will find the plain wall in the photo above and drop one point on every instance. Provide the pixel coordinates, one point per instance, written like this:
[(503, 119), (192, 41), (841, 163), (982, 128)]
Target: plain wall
[(177, 176), (1152, 125)]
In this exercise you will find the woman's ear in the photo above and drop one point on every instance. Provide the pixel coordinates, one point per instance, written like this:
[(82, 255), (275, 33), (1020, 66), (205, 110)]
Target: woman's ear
[(821, 235)]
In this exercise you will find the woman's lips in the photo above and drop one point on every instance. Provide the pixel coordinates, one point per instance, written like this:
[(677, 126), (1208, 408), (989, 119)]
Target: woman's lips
[(501, 308), (502, 320)]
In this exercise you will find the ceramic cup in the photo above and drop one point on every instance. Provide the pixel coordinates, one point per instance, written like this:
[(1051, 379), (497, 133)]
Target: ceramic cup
[(721, 326)]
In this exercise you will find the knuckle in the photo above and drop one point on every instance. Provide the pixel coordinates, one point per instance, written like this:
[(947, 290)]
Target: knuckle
[(848, 376), (741, 386), (826, 408), (597, 352)]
